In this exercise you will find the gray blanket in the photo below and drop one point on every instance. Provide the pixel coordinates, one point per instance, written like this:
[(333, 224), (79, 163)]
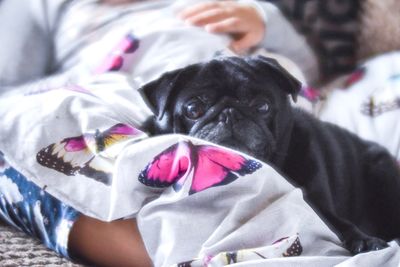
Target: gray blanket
[(17, 249)]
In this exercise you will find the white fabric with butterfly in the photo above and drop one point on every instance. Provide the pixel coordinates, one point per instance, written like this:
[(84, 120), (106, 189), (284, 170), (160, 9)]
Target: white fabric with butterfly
[(194, 201)]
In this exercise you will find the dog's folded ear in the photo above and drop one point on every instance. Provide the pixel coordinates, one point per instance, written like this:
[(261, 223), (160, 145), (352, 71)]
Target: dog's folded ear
[(158, 94), (271, 67), (158, 91)]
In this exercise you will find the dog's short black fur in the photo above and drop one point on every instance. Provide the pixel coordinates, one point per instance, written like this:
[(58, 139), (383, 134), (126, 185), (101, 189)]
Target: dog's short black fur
[(353, 184)]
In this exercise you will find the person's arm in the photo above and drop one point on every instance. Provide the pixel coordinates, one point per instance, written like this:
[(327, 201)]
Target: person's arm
[(241, 20), (108, 244), (24, 43), (26, 30)]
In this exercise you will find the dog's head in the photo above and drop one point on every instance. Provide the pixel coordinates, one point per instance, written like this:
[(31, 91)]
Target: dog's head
[(242, 103)]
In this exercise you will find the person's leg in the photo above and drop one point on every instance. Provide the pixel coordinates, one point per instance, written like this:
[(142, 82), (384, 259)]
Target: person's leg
[(31, 209), (116, 243), (63, 229)]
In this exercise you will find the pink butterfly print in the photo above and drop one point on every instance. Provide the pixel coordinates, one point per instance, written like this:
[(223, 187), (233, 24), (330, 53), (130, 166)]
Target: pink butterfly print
[(115, 60), (355, 77), (212, 166), (79, 155)]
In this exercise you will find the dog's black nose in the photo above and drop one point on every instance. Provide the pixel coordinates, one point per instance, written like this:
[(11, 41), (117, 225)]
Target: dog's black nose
[(224, 115), (228, 115)]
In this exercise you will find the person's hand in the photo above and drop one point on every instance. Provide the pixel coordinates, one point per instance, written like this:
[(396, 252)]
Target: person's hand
[(243, 22)]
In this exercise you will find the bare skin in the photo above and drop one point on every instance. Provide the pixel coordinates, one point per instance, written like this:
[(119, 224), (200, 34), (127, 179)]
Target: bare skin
[(243, 22), (108, 244)]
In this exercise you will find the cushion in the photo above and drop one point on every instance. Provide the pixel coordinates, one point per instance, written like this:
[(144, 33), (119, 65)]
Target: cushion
[(331, 28)]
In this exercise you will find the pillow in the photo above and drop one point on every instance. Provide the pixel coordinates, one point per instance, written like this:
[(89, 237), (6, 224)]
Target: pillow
[(331, 28), (379, 28)]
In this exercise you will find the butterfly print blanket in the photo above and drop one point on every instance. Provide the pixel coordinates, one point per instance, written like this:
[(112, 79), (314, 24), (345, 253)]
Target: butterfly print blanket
[(226, 207), (196, 203)]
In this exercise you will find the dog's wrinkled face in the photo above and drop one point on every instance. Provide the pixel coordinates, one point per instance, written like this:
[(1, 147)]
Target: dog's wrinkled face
[(236, 116), (238, 103)]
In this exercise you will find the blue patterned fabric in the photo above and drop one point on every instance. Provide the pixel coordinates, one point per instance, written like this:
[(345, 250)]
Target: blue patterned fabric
[(32, 210)]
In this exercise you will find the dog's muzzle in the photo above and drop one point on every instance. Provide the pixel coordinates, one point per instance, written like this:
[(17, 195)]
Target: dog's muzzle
[(230, 123)]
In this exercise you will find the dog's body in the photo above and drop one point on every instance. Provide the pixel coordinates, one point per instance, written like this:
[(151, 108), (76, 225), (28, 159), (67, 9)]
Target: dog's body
[(244, 104)]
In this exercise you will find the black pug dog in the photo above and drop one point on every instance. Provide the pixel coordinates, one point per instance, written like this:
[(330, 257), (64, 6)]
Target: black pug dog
[(354, 185)]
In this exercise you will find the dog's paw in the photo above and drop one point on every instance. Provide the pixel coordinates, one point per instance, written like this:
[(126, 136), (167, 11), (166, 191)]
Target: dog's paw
[(357, 246)]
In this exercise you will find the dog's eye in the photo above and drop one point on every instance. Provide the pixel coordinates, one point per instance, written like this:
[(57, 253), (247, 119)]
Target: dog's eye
[(263, 107), (195, 109)]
